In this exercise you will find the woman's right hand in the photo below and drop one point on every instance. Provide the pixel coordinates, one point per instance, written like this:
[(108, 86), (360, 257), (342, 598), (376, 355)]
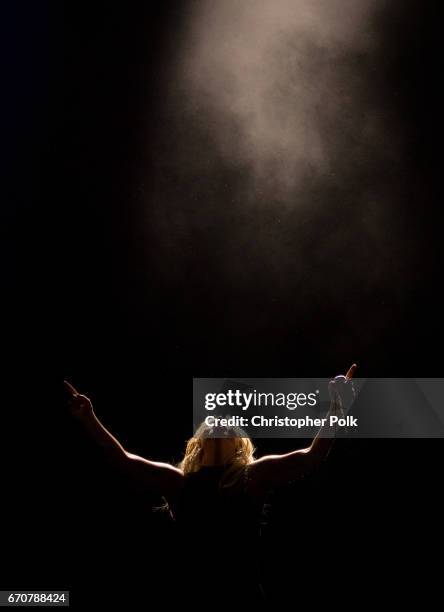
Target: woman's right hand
[(341, 388), (81, 406)]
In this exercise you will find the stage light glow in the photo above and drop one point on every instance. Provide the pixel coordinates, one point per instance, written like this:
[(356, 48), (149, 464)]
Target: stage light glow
[(281, 84)]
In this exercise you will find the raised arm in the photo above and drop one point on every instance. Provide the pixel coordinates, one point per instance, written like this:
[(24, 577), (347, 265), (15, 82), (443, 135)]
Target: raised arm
[(160, 477), (274, 470)]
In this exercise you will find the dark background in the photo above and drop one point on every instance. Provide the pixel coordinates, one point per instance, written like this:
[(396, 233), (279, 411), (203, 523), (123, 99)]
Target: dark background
[(85, 298)]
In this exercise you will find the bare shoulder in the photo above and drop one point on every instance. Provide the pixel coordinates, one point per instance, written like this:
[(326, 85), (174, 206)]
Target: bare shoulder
[(263, 465), (260, 473), (156, 473), (275, 470)]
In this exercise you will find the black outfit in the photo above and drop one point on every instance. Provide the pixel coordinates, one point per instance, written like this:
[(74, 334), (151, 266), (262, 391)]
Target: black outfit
[(220, 527)]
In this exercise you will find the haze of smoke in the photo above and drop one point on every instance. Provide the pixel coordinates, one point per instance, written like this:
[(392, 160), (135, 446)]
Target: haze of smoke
[(282, 84), (278, 194)]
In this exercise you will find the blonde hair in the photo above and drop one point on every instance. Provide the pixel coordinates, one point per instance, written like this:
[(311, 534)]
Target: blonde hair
[(243, 453)]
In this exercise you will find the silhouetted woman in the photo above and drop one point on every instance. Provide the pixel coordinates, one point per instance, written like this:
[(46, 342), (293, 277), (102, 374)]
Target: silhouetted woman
[(216, 496)]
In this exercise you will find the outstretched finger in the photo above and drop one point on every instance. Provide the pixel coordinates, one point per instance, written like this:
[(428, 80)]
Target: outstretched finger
[(351, 372), (72, 390)]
